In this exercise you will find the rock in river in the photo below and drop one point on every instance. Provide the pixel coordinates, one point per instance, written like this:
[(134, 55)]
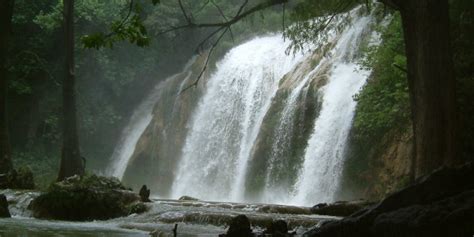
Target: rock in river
[(239, 227), (84, 199), (441, 204), (4, 207)]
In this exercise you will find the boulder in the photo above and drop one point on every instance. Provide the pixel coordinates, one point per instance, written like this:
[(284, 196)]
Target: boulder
[(441, 204), (138, 208), (144, 194), (4, 212), (188, 198), (239, 227), (84, 199), (277, 228)]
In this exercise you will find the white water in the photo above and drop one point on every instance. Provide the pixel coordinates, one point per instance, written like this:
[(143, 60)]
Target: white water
[(139, 121), (222, 133), (228, 118), (324, 156), (282, 141)]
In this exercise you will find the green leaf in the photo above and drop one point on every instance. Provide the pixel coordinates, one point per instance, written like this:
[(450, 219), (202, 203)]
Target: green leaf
[(155, 2)]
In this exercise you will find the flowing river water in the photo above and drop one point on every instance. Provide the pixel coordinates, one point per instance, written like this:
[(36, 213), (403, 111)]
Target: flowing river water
[(194, 218)]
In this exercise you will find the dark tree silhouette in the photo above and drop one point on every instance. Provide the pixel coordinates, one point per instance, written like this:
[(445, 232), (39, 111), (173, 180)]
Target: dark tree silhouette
[(71, 161), (6, 10), (431, 81)]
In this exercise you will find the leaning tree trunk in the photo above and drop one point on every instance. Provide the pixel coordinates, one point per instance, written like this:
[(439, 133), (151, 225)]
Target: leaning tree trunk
[(6, 10), (431, 82), (71, 162)]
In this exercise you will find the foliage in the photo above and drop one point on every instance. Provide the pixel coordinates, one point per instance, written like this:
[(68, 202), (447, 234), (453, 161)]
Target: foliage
[(313, 19), (383, 103), (130, 28), (110, 81), (44, 167), (21, 178)]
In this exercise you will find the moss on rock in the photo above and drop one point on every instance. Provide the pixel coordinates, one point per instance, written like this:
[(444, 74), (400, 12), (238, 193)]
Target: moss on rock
[(86, 198)]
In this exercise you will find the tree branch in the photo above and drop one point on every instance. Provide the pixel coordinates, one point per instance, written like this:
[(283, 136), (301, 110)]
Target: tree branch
[(184, 13), (195, 83), (124, 20), (222, 26), (239, 16), (225, 18), (400, 68)]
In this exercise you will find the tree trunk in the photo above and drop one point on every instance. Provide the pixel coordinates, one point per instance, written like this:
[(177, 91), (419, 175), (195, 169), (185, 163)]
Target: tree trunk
[(71, 162), (431, 82), (6, 10)]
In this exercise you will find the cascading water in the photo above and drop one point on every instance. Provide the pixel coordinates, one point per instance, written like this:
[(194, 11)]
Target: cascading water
[(324, 155), (228, 118), (266, 126), (138, 123)]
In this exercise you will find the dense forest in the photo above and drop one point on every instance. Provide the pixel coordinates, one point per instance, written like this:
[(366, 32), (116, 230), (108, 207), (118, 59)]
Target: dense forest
[(111, 81), (256, 116)]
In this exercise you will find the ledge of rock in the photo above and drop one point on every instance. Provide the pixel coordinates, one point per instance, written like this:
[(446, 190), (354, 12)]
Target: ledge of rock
[(188, 198), (342, 208), (441, 204), (86, 198)]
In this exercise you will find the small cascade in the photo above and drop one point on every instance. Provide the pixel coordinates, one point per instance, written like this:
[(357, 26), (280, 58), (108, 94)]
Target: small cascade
[(139, 121), (324, 156), (284, 134), (19, 200)]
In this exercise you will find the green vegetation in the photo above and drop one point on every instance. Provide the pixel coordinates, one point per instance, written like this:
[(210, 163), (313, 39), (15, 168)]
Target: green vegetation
[(383, 115), (383, 103), (111, 80)]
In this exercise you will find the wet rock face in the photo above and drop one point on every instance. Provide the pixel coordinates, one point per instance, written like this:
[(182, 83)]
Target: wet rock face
[(378, 167), (277, 228), (84, 199), (138, 208), (188, 198), (441, 204), (239, 227), (4, 212), (453, 216), (144, 194), (155, 153), (342, 208)]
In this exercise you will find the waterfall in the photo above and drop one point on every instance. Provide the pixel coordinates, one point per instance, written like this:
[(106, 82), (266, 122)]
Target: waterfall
[(228, 119), (263, 126), (137, 124), (324, 156)]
